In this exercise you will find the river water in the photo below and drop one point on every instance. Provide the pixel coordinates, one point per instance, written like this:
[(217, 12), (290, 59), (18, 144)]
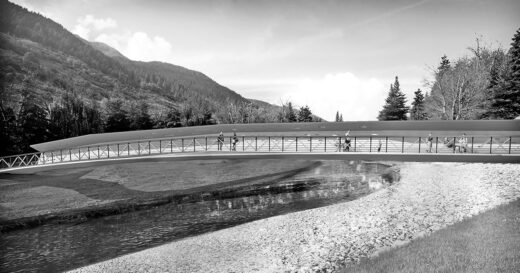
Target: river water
[(60, 247)]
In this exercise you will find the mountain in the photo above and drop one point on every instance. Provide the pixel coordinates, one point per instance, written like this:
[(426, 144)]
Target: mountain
[(39, 57)]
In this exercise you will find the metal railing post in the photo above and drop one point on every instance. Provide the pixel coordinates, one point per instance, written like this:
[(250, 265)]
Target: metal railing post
[(310, 144), (160, 146), (269, 143), (117, 149), (108, 151), (370, 147), (182, 145), (510, 145), (88, 150), (138, 148), (243, 145), (386, 145), (472, 139), (61, 155), (282, 144), (52, 157), (419, 144), (490, 145), (128, 148), (194, 149), (171, 145), (402, 146), (256, 143), (296, 143), (98, 156), (326, 143), (70, 155), (149, 147), (79, 154), (355, 147), (206, 143), (436, 144)]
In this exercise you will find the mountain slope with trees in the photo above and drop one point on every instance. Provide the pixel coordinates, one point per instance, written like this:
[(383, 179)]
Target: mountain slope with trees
[(55, 84)]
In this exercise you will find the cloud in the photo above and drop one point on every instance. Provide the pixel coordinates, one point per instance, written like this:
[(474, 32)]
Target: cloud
[(354, 97), (89, 23), (138, 46)]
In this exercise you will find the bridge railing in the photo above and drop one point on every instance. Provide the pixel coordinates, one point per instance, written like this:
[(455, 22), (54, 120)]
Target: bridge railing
[(295, 144)]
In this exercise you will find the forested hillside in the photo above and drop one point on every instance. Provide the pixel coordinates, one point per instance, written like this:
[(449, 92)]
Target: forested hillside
[(55, 85)]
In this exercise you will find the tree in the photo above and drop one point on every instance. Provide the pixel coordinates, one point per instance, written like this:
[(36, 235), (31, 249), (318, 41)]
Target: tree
[(32, 123), (139, 118), (418, 112), (305, 114), (506, 97), (394, 108), (337, 116), (459, 89), (341, 117), (291, 116), (117, 120)]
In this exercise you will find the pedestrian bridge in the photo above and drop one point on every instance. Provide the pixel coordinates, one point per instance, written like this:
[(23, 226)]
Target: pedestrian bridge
[(476, 148)]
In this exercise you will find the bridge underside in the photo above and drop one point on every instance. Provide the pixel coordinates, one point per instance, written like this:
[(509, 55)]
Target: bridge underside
[(470, 158)]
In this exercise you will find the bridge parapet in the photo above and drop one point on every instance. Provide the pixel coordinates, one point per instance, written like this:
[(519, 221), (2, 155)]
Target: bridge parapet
[(498, 145)]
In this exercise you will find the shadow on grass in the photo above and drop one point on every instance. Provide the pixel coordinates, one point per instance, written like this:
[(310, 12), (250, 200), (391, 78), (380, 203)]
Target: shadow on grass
[(131, 200)]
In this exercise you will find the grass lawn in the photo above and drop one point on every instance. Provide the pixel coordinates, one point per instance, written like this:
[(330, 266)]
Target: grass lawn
[(489, 242)]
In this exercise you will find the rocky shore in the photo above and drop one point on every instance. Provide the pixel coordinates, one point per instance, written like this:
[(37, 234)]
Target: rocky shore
[(429, 197)]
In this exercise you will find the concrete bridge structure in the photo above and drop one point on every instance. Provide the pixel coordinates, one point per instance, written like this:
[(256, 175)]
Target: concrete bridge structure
[(487, 141)]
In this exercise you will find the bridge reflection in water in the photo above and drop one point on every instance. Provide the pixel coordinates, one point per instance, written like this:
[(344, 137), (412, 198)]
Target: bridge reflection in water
[(66, 246), (474, 145)]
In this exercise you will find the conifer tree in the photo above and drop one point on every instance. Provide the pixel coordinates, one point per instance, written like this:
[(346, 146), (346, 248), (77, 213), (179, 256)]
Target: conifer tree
[(418, 112), (291, 116), (395, 105), (337, 116), (506, 101), (305, 114)]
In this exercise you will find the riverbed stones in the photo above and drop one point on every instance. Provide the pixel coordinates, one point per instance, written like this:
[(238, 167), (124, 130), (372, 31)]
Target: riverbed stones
[(429, 197)]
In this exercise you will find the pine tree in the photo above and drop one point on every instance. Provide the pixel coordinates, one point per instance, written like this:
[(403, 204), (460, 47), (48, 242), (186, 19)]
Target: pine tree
[(506, 101), (418, 112), (291, 116), (337, 116), (117, 120), (305, 114), (341, 117), (395, 106)]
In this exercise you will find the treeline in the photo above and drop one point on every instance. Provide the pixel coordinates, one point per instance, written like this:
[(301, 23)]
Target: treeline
[(484, 85), (73, 115)]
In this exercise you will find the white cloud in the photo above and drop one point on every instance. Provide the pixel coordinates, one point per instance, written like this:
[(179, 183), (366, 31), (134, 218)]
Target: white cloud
[(138, 46), (89, 23), (354, 97)]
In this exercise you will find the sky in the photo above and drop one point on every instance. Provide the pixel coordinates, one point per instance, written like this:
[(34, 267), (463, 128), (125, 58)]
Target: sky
[(333, 56)]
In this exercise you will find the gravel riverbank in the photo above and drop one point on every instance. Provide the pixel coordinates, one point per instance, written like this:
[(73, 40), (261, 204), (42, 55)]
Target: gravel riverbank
[(429, 197)]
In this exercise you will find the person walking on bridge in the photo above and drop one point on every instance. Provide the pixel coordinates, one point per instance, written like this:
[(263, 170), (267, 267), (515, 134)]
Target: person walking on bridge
[(463, 143), (346, 147), (220, 141), (429, 142), (234, 141)]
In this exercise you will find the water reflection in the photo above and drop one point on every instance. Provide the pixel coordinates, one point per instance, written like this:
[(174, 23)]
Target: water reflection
[(67, 246)]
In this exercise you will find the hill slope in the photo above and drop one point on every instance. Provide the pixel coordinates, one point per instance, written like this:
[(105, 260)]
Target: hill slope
[(40, 57)]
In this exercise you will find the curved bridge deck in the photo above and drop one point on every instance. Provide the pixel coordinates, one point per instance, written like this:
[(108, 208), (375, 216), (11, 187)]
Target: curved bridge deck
[(399, 148)]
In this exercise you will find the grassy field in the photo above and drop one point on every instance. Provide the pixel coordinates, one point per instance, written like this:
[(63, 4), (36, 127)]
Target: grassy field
[(489, 242)]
